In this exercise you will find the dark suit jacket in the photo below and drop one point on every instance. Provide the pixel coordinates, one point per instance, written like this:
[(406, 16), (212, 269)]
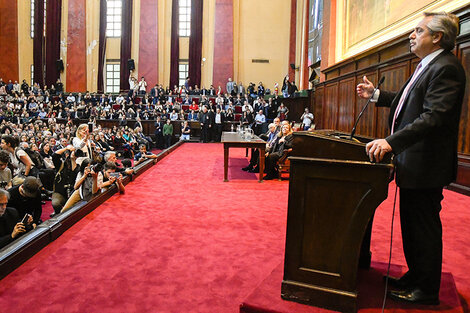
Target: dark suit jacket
[(281, 146), (426, 130), (7, 222)]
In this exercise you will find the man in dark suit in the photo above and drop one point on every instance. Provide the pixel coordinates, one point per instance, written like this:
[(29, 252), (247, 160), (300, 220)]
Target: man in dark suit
[(10, 222), (207, 121), (424, 122), (159, 133), (219, 119)]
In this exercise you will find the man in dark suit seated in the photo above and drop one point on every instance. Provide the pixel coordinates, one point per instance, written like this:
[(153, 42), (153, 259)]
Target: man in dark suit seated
[(10, 223), (424, 122)]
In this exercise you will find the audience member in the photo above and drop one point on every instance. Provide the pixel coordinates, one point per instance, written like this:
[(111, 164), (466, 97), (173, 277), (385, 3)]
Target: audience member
[(307, 119), (86, 184), (11, 225), (108, 176), (282, 142), (143, 155), (5, 172), (167, 133), (64, 180), (26, 198), (185, 131)]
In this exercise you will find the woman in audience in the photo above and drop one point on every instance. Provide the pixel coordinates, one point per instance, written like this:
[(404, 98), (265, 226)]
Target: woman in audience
[(229, 116), (81, 142), (246, 119), (19, 159), (282, 112), (86, 184), (281, 143), (46, 151)]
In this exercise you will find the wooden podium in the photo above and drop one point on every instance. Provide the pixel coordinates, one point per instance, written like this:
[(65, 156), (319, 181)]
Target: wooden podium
[(333, 193)]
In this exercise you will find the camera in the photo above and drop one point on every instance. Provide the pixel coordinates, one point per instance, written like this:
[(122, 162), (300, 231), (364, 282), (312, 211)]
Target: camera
[(79, 153), (3, 184), (114, 174), (98, 167)]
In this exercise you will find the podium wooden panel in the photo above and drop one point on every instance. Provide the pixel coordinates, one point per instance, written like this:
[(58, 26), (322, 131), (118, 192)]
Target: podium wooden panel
[(333, 193)]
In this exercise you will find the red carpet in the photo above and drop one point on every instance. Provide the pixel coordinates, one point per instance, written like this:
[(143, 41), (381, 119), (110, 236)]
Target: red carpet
[(182, 240), (266, 299)]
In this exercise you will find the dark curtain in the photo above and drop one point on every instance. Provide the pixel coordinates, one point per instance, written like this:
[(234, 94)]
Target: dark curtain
[(102, 46), (175, 45), (195, 43), (126, 37), (53, 23), (38, 42)]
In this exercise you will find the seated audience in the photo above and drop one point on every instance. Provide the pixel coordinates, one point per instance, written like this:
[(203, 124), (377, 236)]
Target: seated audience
[(253, 166), (282, 142)]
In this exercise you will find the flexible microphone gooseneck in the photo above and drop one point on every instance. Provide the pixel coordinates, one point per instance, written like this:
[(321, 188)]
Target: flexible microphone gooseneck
[(365, 107)]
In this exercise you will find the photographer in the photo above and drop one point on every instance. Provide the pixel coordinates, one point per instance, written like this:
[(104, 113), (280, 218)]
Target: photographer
[(109, 176), (26, 198), (65, 162), (143, 155), (110, 156), (86, 184), (10, 225)]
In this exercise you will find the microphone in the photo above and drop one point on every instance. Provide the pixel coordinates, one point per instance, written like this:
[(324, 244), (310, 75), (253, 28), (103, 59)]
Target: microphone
[(365, 107)]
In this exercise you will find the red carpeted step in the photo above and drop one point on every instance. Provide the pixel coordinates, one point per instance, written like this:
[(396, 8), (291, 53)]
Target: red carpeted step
[(266, 298), (47, 210)]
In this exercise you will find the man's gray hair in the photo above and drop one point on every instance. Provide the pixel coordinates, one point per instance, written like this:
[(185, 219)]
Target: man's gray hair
[(271, 125), (107, 155), (4, 193), (445, 23)]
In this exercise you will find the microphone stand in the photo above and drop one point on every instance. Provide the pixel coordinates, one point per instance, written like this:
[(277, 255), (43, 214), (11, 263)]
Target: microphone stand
[(365, 107)]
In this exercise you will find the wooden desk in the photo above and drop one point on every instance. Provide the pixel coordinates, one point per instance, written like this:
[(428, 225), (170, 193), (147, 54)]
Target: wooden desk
[(234, 140)]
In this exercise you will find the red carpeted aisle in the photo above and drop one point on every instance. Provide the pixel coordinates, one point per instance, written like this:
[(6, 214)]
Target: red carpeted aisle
[(181, 240)]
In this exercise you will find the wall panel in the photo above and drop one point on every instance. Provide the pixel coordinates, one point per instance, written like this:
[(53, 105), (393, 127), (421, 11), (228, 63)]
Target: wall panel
[(148, 42), (9, 34), (394, 62), (76, 47), (367, 124), (223, 48), (464, 136), (330, 109), (346, 103), (395, 76)]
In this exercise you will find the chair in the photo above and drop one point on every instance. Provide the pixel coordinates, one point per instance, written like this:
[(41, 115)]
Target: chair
[(283, 164)]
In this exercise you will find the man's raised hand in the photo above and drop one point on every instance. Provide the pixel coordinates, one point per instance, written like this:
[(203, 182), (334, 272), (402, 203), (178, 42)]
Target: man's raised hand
[(365, 89)]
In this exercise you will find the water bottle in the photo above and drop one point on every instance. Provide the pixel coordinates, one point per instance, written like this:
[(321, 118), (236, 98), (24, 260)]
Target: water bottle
[(231, 128)]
